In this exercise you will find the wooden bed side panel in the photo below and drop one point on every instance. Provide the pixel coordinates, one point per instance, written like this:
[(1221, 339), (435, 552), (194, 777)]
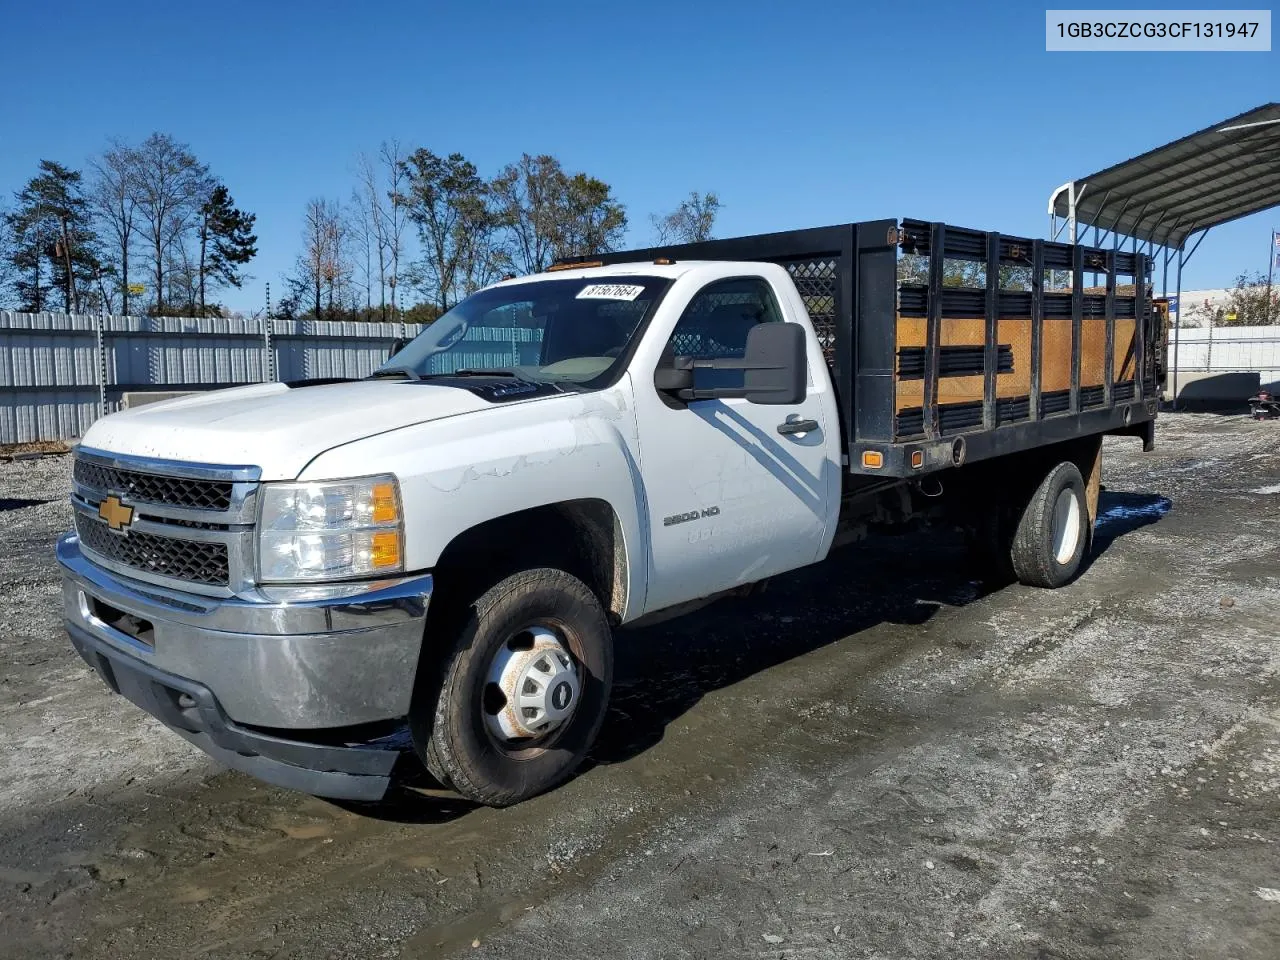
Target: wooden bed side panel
[(967, 332), (1017, 334), (910, 332), (1093, 352), (1055, 361), (1124, 364)]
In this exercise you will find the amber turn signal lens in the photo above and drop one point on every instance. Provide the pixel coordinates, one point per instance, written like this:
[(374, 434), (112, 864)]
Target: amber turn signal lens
[(385, 550), (917, 459), (574, 266), (872, 459), (385, 508)]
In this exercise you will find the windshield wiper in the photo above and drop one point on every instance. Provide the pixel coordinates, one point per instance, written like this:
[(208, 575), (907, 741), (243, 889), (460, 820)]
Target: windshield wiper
[(405, 372), (479, 372)]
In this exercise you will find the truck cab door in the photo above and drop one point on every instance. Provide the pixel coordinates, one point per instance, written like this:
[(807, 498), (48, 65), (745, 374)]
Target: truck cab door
[(736, 491)]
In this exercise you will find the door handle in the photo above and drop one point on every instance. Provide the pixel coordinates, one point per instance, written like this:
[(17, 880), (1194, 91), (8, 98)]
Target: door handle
[(797, 426)]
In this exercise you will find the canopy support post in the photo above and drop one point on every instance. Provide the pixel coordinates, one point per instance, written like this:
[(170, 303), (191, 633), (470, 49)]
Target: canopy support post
[(1177, 330)]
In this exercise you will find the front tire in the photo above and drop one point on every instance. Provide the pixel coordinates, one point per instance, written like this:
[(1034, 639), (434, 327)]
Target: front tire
[(519, 700)]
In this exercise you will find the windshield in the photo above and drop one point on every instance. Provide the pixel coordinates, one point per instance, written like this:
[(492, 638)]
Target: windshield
[(549, 331)]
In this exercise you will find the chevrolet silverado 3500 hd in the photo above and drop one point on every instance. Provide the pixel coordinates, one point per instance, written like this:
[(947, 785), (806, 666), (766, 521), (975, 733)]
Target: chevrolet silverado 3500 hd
[(283, 573)]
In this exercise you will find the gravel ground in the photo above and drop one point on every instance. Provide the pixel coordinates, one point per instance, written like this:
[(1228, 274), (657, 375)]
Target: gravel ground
[(63, 735), (871, 759)]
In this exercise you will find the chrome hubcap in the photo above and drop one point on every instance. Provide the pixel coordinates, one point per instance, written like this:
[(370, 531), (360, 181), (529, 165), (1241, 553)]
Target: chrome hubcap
[(532, 687), (1066, 526)]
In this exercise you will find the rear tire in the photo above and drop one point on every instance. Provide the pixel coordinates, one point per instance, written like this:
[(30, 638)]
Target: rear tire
[(459, 709), (1053, 532)]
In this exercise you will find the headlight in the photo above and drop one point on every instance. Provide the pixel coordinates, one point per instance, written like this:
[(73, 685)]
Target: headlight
[(334, 530)]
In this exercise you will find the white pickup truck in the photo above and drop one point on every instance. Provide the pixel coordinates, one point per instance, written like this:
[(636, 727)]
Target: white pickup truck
[(289, 574)]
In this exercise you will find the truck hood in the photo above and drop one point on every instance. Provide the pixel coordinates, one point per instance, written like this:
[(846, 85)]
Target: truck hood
[(272, 426)]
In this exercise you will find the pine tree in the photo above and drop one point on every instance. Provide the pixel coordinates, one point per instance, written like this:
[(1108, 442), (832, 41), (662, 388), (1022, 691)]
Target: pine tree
[(227, 241), (54, 247)]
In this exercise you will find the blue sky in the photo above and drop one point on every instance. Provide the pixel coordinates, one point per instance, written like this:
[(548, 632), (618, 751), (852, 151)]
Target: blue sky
[(795, 114)]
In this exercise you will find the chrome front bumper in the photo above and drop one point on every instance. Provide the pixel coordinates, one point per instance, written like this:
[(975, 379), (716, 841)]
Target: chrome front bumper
[(286, 661)]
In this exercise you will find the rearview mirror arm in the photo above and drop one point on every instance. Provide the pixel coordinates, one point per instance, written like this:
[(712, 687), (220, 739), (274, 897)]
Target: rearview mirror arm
[(677, 379)]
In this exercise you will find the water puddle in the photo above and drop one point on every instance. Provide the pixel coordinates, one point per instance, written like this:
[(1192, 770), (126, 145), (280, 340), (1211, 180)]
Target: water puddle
[(1120, 513)]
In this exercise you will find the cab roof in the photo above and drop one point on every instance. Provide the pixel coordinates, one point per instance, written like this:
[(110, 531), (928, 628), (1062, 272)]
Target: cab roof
[(646, 268)]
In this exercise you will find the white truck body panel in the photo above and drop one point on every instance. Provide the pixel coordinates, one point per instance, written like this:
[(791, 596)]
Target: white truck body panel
[(272, 426), (457, 472), (766, 503)]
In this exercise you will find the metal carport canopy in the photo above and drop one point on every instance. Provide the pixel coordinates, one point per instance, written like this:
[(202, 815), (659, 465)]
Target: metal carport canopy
[(1221, 173)]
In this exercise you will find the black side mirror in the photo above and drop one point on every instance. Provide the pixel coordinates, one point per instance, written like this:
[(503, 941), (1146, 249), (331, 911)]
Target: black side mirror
[(398, 344), (773, 369)]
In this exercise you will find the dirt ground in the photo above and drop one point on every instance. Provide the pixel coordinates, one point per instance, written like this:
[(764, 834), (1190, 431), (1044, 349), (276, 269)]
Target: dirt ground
[(873, 759)]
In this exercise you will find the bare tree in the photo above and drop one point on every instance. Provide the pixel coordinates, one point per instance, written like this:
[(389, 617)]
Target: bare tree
[(180, 277), (113, 200), (392, 155), (483, 253), (340, 273), (169, 186), (363, 230), (591, 219), (526, 194), (448, 202), (548, 213), (371, 228), (201, 221), (323, 270), (691, 222), (379, 223)]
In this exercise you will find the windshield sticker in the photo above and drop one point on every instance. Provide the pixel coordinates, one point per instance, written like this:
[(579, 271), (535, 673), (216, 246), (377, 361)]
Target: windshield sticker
[(610, 291), (450, 338)]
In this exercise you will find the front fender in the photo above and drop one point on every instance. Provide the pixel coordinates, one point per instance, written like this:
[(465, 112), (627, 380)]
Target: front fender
[(461, 471)]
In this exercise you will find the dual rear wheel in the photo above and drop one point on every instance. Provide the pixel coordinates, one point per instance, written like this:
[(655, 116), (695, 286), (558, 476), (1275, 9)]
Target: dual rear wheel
[(1040, 537)]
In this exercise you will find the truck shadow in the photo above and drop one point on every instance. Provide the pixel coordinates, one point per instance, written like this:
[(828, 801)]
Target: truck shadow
[(664, 670), (404, 803), (20, 503)]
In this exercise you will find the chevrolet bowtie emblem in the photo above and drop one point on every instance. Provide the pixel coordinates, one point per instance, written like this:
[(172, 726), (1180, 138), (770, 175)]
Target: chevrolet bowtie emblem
[(117, 515)]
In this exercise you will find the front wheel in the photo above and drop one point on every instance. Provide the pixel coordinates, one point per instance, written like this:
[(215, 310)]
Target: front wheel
[(519, 700)]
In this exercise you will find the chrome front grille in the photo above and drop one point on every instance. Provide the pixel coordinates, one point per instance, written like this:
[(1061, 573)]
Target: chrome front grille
[(191, 560), (141, 487), (190, 525)]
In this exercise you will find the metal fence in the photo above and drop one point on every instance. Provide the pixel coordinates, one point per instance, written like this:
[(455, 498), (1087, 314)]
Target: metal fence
[(60, 372), (1227, 350)]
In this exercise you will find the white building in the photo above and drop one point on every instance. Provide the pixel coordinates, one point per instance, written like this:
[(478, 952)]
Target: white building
[(1195, 307)]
